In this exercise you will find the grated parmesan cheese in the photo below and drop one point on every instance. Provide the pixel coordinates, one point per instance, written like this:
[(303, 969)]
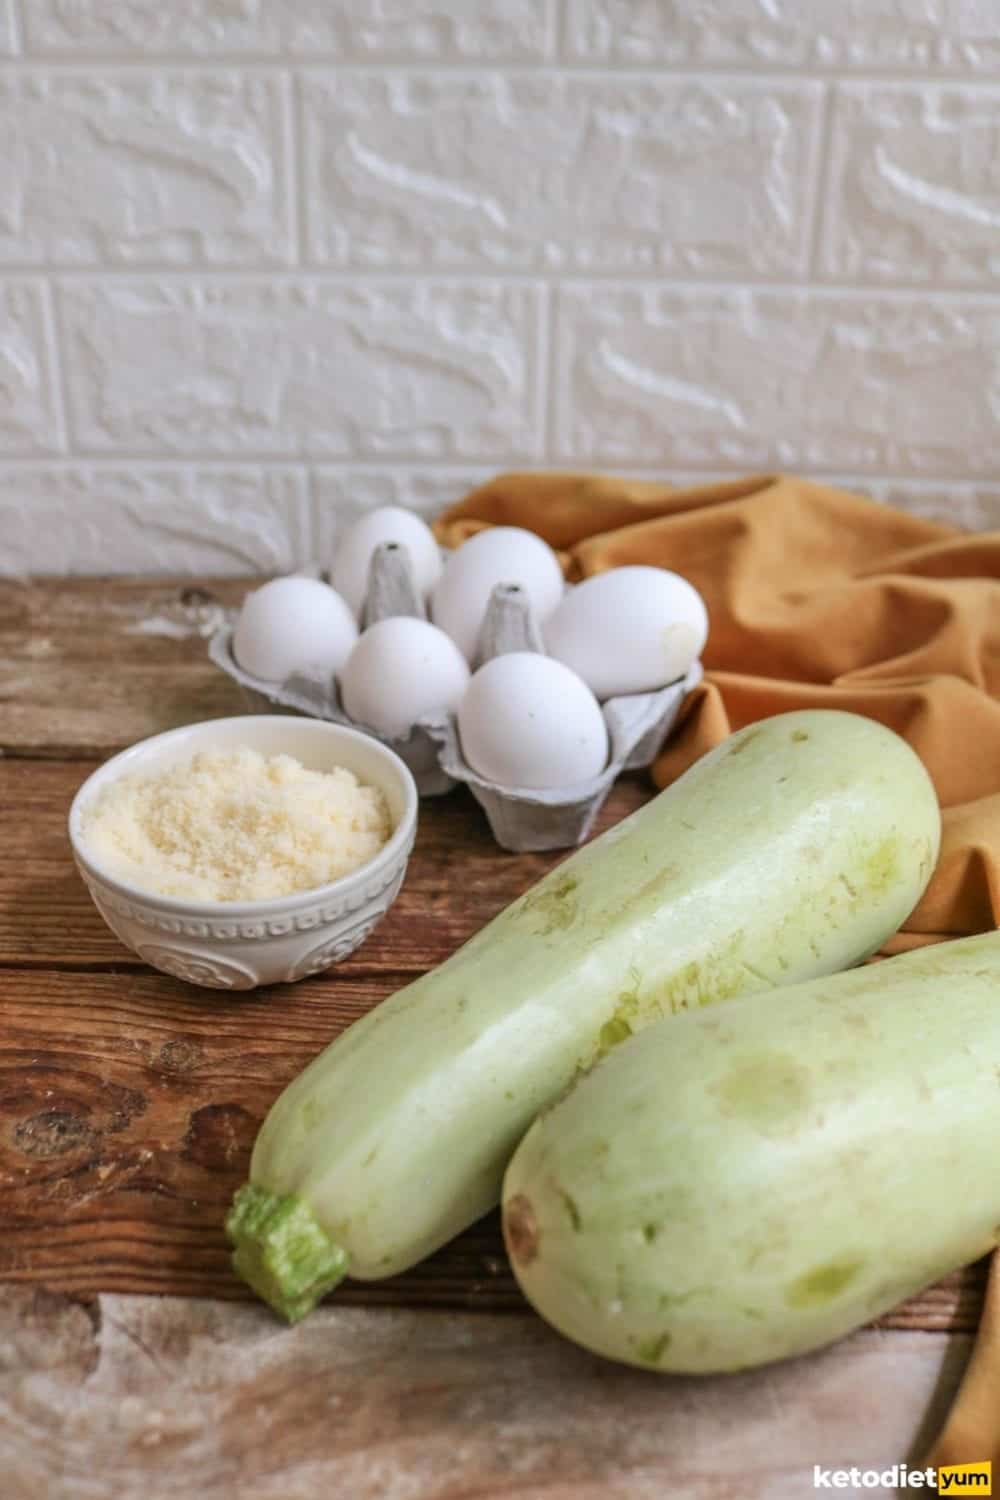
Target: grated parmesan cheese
[(236, 826)]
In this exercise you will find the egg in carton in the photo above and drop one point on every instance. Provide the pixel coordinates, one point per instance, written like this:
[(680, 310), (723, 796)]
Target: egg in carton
[(524, 818), (390, 592), (520, 818)]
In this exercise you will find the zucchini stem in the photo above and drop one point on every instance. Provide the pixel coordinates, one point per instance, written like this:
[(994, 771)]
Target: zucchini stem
[(281, 1251)]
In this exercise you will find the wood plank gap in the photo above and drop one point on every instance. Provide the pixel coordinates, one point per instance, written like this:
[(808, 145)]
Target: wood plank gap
[(85, 754), (404, 973)]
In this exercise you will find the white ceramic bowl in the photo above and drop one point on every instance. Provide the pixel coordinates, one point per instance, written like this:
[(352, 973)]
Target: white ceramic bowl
[(239, 945)]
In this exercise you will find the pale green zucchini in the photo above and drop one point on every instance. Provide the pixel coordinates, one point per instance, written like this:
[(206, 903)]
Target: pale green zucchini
[(793, 849), (736, 1187)]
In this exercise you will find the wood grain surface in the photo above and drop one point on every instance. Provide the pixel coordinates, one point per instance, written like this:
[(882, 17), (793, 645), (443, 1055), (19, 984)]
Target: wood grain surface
[(89, 668), (128, 1100), (136, 1398)]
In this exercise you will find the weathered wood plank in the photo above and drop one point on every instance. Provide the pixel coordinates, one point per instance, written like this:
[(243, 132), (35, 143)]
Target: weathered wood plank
[(91, 666), (128, 1107), (47, 916), (128, 1102), (132, 1398)]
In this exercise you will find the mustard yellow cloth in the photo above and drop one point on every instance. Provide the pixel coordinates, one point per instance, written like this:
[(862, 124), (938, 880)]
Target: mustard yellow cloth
[(817, 599)]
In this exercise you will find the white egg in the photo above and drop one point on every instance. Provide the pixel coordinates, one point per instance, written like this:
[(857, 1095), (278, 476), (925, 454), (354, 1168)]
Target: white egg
[(390, 523), (630, 630), (503, 554), (293, 625), (528, 721), (401, 670)]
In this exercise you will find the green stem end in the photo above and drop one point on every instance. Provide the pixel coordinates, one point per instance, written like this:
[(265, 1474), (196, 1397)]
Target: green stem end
[(281, 1251)]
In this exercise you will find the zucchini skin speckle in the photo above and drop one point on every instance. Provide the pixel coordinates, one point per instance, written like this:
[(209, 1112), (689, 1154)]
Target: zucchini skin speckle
[(752, 1185)]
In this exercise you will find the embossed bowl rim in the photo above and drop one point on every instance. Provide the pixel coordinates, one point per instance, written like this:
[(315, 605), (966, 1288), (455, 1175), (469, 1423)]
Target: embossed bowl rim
[(317, 743)]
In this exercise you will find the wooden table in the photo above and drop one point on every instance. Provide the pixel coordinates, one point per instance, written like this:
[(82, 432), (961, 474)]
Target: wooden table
[(131, 1362)]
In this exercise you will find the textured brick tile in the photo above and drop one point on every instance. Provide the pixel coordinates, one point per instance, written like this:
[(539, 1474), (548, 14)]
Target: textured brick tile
[(142, 167), (771, 378), (534, 171), (842, 33), (8, 42), (28, 410), (915, 185), (149, 26), (976, 507), (236, 519), (237, 366), (343, 494), (953, 502), (427, 29)]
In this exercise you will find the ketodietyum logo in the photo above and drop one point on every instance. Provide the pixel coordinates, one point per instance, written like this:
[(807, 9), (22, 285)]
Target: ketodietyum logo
[(950, 1479)]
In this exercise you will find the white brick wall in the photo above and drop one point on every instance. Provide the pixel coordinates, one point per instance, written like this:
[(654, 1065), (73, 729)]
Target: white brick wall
[(264, 263)]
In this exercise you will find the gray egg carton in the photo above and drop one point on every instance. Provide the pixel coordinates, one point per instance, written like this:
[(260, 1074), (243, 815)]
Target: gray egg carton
[(520, 818)]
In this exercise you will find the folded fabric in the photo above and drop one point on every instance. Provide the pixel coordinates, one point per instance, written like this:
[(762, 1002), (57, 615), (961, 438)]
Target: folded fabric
[(817, 599)]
